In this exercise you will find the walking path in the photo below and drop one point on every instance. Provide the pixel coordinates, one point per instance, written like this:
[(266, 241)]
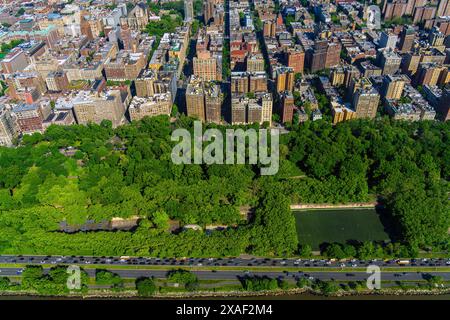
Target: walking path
[(332, 206)]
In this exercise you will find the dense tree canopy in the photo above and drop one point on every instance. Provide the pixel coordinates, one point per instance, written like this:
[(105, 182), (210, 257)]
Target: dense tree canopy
[(127, 172)]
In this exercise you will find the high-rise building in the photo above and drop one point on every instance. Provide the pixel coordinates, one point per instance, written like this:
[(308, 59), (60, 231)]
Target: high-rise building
[(296, 58), (255, 62), (157, 104), (254, 112), (29, 118), (427, 74), (324, 54), (287, 106), (188, 10), (126, 65), (126, 37), (8, 130), (96, 107), (213, 102), (239, 109), (410, 63), (204, 100), (269, 29), (251, 110), (150, 82), (443, 8), (208, 10), (358, 83), (257, 82), (436, 39), (137, 18), (389, 61), (205, 66), (239, 82), (15, 60), (407, 37), (393, 86), (337, 76), (195, 98), (350, 72), (388, 40), (365, 102), (57, 81), (285, 79)]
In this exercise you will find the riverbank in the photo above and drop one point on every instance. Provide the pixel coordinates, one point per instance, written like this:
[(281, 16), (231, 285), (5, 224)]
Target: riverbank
[(291, 294)]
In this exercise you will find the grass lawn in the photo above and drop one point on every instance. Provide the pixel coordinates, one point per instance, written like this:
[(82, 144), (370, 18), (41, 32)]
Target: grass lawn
[(315, 227)]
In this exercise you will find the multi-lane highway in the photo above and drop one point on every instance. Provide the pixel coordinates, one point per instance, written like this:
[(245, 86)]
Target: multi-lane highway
[(222, 262), (237, 274)]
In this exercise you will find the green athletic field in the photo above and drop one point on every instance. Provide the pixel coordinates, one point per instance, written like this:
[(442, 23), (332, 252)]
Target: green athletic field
[(338, 225)]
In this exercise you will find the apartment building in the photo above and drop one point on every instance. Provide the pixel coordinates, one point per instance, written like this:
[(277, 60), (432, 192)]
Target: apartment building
[(155, 105), (94, 107)]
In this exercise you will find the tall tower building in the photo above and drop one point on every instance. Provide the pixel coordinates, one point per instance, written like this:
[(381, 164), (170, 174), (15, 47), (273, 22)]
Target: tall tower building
[(393, 87), (365, 102), (195, 98), (8, 130), (205, 66), (389, 61), (287, 106), (443, 8), (213, 102), (188, 10), (406, 39), (388, 40), (285, 79)]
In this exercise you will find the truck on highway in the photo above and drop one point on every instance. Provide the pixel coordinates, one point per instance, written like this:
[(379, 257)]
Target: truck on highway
[(403, 262), (124, 258)]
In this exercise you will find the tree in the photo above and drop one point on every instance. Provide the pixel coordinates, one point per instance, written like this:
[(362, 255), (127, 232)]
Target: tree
[(329, 287), (335, 251), (145, 287), (303, 282), (187, 278), (305, 251), (5, 283), (109, 278), (434, 281), (277, 232), (257, 283)]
